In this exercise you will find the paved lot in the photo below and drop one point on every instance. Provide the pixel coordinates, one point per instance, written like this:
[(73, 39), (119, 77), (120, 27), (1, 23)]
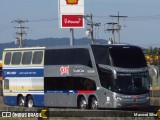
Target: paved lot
[(107, 114)]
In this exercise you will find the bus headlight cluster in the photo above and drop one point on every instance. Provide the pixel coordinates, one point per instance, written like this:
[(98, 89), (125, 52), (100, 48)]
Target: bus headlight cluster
[(147, 98), (118, 98)]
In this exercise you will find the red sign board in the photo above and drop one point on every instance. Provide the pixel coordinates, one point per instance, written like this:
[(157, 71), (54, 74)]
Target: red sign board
[(72, 21), (72, 2)]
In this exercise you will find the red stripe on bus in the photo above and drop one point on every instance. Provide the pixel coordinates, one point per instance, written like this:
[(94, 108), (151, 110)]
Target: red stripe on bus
[(85, 91)]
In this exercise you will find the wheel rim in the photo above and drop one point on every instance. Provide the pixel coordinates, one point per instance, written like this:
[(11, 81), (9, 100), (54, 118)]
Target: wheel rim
[(94, 104), (30, 103), (83, 104), (21, 102)]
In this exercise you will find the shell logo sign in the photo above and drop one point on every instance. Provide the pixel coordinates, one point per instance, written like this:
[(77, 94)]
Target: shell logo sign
[(71, 13), (72, 2)]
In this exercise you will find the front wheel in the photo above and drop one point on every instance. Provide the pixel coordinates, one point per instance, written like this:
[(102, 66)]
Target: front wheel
[(30, 102)]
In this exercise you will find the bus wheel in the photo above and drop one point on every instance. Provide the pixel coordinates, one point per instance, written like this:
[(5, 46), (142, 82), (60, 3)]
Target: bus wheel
[(30, 102), (21, 101), (94, 104), (82, 104)]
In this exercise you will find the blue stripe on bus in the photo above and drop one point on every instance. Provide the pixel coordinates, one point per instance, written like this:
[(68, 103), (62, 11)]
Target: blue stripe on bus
[(23, 72), (12, 100), (70, 91), (60, 91)]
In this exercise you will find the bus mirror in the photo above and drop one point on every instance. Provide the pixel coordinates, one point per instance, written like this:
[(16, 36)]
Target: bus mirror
[(114, 74), (153, 71)]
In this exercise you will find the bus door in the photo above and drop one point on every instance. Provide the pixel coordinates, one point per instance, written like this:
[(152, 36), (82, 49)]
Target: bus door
[(106, 80)]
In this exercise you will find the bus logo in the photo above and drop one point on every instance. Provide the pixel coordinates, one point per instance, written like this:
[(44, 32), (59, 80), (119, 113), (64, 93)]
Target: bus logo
[(72, 2), (64, 70), (134, 98)]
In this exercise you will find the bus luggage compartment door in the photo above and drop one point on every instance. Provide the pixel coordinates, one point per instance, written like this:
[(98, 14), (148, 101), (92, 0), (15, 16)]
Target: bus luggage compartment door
[(59, 98)]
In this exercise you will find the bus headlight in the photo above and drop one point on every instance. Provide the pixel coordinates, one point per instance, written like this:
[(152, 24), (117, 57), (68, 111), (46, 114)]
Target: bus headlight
[(147, 98), (118, 98), (108, 99)]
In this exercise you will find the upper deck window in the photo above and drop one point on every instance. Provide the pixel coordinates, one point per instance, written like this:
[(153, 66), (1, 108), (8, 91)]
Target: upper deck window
[(101, 55), (78, 56), (16, 58), (127, 57), (7, 59), (27, 57), (37, 57)]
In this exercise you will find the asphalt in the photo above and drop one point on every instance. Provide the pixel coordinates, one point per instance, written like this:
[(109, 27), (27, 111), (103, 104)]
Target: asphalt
[(75, 114)]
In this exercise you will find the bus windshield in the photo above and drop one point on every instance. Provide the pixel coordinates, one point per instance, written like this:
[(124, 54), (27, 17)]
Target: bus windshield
[(132, 83), (127, 57)]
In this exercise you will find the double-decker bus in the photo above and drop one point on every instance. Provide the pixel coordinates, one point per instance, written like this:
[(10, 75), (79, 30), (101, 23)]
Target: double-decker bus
[(92, 76)]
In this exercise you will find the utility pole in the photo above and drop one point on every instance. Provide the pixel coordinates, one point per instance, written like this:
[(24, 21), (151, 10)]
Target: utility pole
[(92, 24), (20, 32), (92, 36), (112, 24), (118, 26)]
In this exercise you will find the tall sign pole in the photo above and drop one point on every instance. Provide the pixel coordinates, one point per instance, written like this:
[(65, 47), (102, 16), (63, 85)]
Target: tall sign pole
[(71, 14), (71, 36)]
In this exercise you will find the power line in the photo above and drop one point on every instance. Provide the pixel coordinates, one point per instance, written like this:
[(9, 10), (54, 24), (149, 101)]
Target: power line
[(44, 20), (153, 17), (5, 27)]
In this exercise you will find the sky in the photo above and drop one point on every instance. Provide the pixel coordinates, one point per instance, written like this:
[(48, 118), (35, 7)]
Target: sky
[(141, 27)]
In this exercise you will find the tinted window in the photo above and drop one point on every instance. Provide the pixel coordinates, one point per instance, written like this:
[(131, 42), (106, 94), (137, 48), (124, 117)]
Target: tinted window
[(16, 58), (101, 55), (69, 83), (68, 57), (132, 83), (58, 84), (37, 57), (106, 78), (127, 57), (84, 84), (7, 59), (27, 57)]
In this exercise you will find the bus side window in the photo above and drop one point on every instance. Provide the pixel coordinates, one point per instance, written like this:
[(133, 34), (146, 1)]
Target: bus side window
[(6, 84), (84, 84), (27, 57), (37, 57), (7, 59), (16, 58), (65, 57), (106, 77), (89, 84)]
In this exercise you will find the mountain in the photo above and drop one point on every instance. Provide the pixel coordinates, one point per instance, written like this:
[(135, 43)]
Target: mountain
[(49, 42)]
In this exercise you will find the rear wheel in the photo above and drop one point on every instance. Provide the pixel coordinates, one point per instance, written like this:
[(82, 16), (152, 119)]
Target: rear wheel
[(94, 104), (30, 102), (21, 101), (82, 104)]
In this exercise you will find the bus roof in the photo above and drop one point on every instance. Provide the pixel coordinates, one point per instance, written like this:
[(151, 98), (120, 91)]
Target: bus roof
[(67, 47), (24, 48)]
